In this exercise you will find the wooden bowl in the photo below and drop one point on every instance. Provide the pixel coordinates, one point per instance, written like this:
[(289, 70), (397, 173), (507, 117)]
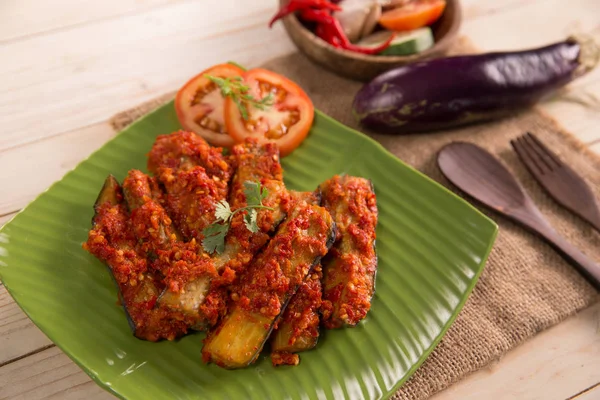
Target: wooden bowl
[(365, 67)]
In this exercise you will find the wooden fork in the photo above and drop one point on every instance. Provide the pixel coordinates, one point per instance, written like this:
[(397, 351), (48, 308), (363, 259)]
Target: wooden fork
[(561, 182)]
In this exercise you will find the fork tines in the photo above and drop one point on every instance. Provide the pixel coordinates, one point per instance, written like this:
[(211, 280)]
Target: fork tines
[(535, 155)]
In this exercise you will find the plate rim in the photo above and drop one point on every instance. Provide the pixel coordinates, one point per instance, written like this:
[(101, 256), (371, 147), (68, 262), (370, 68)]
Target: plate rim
[(492, 225)]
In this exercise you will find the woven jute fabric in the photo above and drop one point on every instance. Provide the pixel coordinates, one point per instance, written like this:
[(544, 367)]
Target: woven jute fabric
[(526, 286)]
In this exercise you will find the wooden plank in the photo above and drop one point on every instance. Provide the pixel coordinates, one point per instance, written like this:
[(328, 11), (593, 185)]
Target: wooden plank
[(555, 364), (22, 18), (532, 24), (53, 157), (6, 217), (577, 107), (583, 121), (49, 374), (18, 335), (473, 9), (167, 45), (591, 393), (74, 78)]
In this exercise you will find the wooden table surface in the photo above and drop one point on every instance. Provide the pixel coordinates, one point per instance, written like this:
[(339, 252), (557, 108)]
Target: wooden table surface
[(68, 65)]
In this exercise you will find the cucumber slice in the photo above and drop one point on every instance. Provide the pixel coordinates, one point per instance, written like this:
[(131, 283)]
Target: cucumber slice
[(404, 44)]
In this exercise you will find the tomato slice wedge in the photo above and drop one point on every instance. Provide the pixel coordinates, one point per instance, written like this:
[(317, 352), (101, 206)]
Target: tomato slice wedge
[(285, 123), (413, 15), (200, 106)]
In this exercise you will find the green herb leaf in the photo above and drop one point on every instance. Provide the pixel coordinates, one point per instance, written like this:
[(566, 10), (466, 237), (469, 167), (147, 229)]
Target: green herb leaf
[(250, 220), (223, 211), (235, 88), (214, 237), (215, 233), (255, 193)]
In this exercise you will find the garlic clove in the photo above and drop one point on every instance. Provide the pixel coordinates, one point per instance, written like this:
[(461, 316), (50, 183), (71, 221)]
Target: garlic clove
[(352, 17), (372, 20)]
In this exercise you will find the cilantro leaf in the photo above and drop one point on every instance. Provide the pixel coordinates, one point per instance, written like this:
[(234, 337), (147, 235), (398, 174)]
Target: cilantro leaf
[(255, 194), (214, 237), (223, 211), (215, 233), (250, 220), (235, 88)]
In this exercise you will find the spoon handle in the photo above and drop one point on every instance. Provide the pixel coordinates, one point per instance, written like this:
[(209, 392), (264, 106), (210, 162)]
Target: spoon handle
[(594, 220), (531, 217), (586, 266)]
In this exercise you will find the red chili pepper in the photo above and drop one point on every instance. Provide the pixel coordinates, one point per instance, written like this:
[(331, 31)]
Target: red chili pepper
[(370, 50), (299, 5), (330, 30)]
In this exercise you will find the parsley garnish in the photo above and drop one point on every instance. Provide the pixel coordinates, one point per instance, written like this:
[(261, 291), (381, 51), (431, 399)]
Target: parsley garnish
[(235, 88), (214, 234)]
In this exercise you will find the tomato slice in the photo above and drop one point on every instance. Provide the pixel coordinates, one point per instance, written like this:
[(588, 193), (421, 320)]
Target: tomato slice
[(413, 15), (285, 123), (199, 105)]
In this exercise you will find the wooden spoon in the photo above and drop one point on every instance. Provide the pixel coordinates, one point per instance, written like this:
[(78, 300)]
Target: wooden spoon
[(483, 177)]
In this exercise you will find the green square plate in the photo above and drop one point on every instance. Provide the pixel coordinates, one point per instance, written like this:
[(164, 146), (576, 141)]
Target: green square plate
[(432, 247)]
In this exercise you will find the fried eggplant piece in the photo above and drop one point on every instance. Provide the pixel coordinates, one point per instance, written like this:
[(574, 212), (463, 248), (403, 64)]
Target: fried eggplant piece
[(181, 151), (253, 163), (150, 222), (267, 285), (193, 286), (198, 291), (240, 244), (349, 268), (298, 328), (195, 176), (112, 241), (191, 198)]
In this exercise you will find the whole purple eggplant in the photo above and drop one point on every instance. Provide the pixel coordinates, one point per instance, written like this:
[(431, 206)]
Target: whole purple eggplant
[(449, 92)]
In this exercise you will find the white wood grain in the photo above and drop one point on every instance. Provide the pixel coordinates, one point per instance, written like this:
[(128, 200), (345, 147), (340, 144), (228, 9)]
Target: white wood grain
[(18, 335), (49, 374), (165, 45), (555, 364), (532, 23), (5, 218), (592, 393), (53, 83), (53, 157), (22, 18)]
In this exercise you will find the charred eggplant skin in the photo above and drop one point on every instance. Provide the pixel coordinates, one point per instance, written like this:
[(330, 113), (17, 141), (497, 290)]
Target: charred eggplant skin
[(448, 92), (110, 194)]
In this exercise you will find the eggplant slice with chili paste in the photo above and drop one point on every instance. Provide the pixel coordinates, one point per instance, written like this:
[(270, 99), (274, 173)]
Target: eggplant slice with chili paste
[(254, 163), (350, 266), (112, 241), (298, 328), (267, 285)]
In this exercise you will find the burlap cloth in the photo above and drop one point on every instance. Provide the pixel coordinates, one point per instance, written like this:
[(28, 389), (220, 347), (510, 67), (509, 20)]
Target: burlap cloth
[(526, 287)]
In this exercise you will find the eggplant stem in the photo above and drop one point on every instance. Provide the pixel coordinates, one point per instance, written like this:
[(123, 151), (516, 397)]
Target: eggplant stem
[(589, 53)]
